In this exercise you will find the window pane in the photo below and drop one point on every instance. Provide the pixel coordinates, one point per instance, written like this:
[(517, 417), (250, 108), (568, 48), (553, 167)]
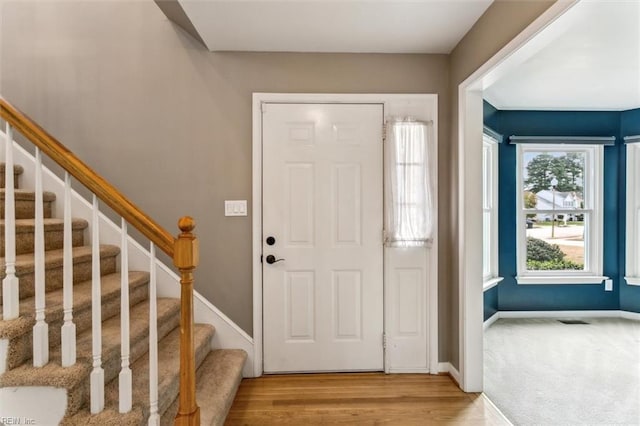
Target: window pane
[(555, 245), (553, 180), (486, 244), (486, 176)]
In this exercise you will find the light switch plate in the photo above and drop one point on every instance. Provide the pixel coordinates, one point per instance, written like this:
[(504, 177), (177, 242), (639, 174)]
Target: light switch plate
[(608, 285), (235, 207)]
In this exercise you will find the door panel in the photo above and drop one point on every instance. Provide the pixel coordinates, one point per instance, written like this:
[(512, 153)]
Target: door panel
[(322, 202)]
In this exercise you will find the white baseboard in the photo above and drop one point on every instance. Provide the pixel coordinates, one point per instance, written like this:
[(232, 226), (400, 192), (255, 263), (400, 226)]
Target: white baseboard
[(447, 367), (630, 315), (489, 321), (409, 370), (560, 314), (228, 335)]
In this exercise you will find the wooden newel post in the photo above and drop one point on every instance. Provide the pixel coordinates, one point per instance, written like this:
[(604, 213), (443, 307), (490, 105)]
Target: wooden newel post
[(185, 258)]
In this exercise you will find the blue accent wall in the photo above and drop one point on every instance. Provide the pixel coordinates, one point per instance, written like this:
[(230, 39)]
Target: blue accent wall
[(629, 295), (490, 302), (490, 115), (513, 297)]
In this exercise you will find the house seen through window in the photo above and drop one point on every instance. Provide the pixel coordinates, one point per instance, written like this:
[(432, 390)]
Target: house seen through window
[(560, 212)]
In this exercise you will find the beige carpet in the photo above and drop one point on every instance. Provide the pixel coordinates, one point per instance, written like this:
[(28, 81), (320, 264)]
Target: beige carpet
[(543, 372)]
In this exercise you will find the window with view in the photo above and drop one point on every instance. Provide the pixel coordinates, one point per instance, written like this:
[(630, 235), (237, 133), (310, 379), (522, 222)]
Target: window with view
[(560, 213), (632, 240), (489, 210)]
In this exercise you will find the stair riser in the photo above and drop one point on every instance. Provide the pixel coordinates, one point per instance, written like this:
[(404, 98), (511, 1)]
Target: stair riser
[(111, 360), (168, 401), (26, 209), (16, 177), (21, 347), (54, 275), (53, 240), (218, 378)]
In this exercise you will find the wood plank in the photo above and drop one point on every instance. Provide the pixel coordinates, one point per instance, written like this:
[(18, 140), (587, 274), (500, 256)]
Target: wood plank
[(359, 398)]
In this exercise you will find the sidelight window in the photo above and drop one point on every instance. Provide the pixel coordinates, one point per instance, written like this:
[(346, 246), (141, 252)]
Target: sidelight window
[(408, 184)]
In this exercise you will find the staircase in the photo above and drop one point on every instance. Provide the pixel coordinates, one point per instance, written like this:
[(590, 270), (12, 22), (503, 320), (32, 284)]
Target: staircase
[(218, 372)]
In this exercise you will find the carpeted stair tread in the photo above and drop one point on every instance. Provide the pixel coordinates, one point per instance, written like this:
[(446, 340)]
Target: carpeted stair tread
[(53, 234), (50, 224), (217, 381), (110, 286), (168, 378), (53, 258), (17, 171), (25, 205), (218, 372), (18, 332), (25, 262), (54, 302), (220, 375), (108, 417), (17, 168), (25, 265), (54, 375), (29, 195)]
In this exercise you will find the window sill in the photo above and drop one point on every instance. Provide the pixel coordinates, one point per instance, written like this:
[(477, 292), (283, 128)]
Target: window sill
[(491, 283), (573, 279), (632, 280)]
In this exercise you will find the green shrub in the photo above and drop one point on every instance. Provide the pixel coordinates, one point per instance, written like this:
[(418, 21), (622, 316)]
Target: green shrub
[(553, 265), (542, 251)]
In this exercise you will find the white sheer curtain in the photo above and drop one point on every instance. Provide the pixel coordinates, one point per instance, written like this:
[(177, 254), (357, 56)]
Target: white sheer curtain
[(408, 184)]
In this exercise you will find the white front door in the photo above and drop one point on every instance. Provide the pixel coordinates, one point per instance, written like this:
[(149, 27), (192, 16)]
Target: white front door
[(322, 223)]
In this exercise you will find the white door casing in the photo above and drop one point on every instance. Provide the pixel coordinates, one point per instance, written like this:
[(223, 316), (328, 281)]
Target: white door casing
[(410, 275), (322, 202), (469, 242)]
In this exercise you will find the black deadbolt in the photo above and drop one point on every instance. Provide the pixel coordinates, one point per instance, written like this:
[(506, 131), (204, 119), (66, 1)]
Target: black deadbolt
[(271, 241)]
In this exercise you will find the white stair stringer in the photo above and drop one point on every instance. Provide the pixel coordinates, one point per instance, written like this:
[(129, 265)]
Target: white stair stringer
[(32, 405)]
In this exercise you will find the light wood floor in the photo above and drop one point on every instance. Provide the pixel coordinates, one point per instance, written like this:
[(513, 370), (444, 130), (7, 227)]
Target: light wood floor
[(359, 399)]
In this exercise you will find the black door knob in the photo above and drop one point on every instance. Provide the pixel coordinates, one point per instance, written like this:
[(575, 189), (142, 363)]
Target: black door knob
[(271, 241), (271, 259)]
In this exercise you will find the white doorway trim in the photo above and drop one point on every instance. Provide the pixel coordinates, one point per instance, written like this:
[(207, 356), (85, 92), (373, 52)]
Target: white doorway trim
[(470, 321), (386, 99)]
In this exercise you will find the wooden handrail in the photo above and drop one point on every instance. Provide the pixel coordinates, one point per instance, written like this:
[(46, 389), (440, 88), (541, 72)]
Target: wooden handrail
[(183, 250), (89, 178)]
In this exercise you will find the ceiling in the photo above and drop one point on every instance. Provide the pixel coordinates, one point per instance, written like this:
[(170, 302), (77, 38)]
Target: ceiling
[(372, 26), (588, 59)]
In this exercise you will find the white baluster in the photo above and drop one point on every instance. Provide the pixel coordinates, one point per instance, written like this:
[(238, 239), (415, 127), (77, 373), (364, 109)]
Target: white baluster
[(68, 332), (40, 329), (10, 294), (125, 384), (97, 375), (154, 417)]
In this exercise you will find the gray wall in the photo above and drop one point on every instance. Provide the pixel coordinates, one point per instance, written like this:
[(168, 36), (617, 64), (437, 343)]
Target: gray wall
[(501, 22), (169, 123)]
